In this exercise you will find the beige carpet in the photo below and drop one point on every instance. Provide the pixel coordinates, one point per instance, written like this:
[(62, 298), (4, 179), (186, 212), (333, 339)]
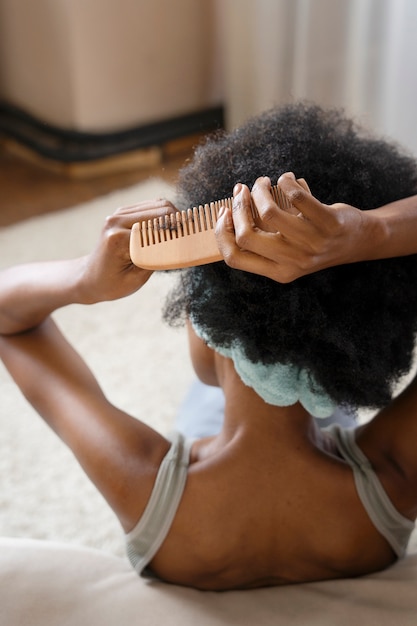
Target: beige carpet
[(142, 365)]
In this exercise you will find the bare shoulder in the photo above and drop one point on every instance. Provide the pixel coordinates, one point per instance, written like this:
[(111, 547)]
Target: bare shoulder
[(388, 441), (240, 523)]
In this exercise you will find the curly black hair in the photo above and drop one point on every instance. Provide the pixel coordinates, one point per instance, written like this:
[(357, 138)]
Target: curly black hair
[(353, 326)]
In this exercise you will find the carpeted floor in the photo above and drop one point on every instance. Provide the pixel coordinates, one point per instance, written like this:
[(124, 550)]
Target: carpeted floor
[(142, 365)]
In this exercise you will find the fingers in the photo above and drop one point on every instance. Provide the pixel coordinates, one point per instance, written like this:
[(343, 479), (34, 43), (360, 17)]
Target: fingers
[(299, 195), (125, 217), (288, 221), (265, 249), (267, 209), (280, 243), (249, 232), (238, 228), (242, 206), (247, 247), (147, 206), (303, 183)]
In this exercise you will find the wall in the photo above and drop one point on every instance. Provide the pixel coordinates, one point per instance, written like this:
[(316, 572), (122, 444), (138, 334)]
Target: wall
[(104, 65), (359, 54)]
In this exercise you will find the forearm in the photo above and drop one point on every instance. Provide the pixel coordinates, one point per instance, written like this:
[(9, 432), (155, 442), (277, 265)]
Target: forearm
[(29, 293), (390, 231)]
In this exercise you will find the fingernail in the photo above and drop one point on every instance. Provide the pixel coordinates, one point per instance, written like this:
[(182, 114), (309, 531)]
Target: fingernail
[(237, 189), (222, 210)]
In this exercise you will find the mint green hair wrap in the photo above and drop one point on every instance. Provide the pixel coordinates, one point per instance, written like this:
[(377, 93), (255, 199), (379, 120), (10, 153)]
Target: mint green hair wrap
[(278, 384)]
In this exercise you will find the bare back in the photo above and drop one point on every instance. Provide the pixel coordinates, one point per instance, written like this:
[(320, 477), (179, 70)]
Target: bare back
[(268, 502)]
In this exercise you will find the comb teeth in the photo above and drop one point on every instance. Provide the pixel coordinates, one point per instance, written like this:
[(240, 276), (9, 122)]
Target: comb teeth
[(178, 225), (184, 238), (280, 198)]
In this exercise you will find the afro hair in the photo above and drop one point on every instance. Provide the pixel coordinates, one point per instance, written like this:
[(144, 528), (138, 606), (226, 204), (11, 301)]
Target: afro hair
[(353, 326)]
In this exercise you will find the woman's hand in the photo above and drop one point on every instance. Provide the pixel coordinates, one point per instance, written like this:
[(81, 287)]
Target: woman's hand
[(30, 293), (287, 244), (108, 272)]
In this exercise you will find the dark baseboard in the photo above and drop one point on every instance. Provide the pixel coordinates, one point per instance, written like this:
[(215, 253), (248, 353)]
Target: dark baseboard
[(66, 146)]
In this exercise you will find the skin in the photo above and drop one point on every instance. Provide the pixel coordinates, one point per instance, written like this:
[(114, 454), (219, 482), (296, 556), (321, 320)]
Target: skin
[(266, 500), (286, 245)]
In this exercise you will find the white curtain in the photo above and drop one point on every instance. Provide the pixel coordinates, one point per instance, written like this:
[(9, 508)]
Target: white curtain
[(356, 54)]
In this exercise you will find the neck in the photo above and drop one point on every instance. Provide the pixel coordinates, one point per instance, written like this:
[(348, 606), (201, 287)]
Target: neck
[(246, 412)]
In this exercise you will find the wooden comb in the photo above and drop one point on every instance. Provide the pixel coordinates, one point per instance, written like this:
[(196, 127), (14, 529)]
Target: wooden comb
[(185, 238)]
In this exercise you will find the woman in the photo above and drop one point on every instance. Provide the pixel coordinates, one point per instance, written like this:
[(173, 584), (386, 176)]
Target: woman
[(271, 499)]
